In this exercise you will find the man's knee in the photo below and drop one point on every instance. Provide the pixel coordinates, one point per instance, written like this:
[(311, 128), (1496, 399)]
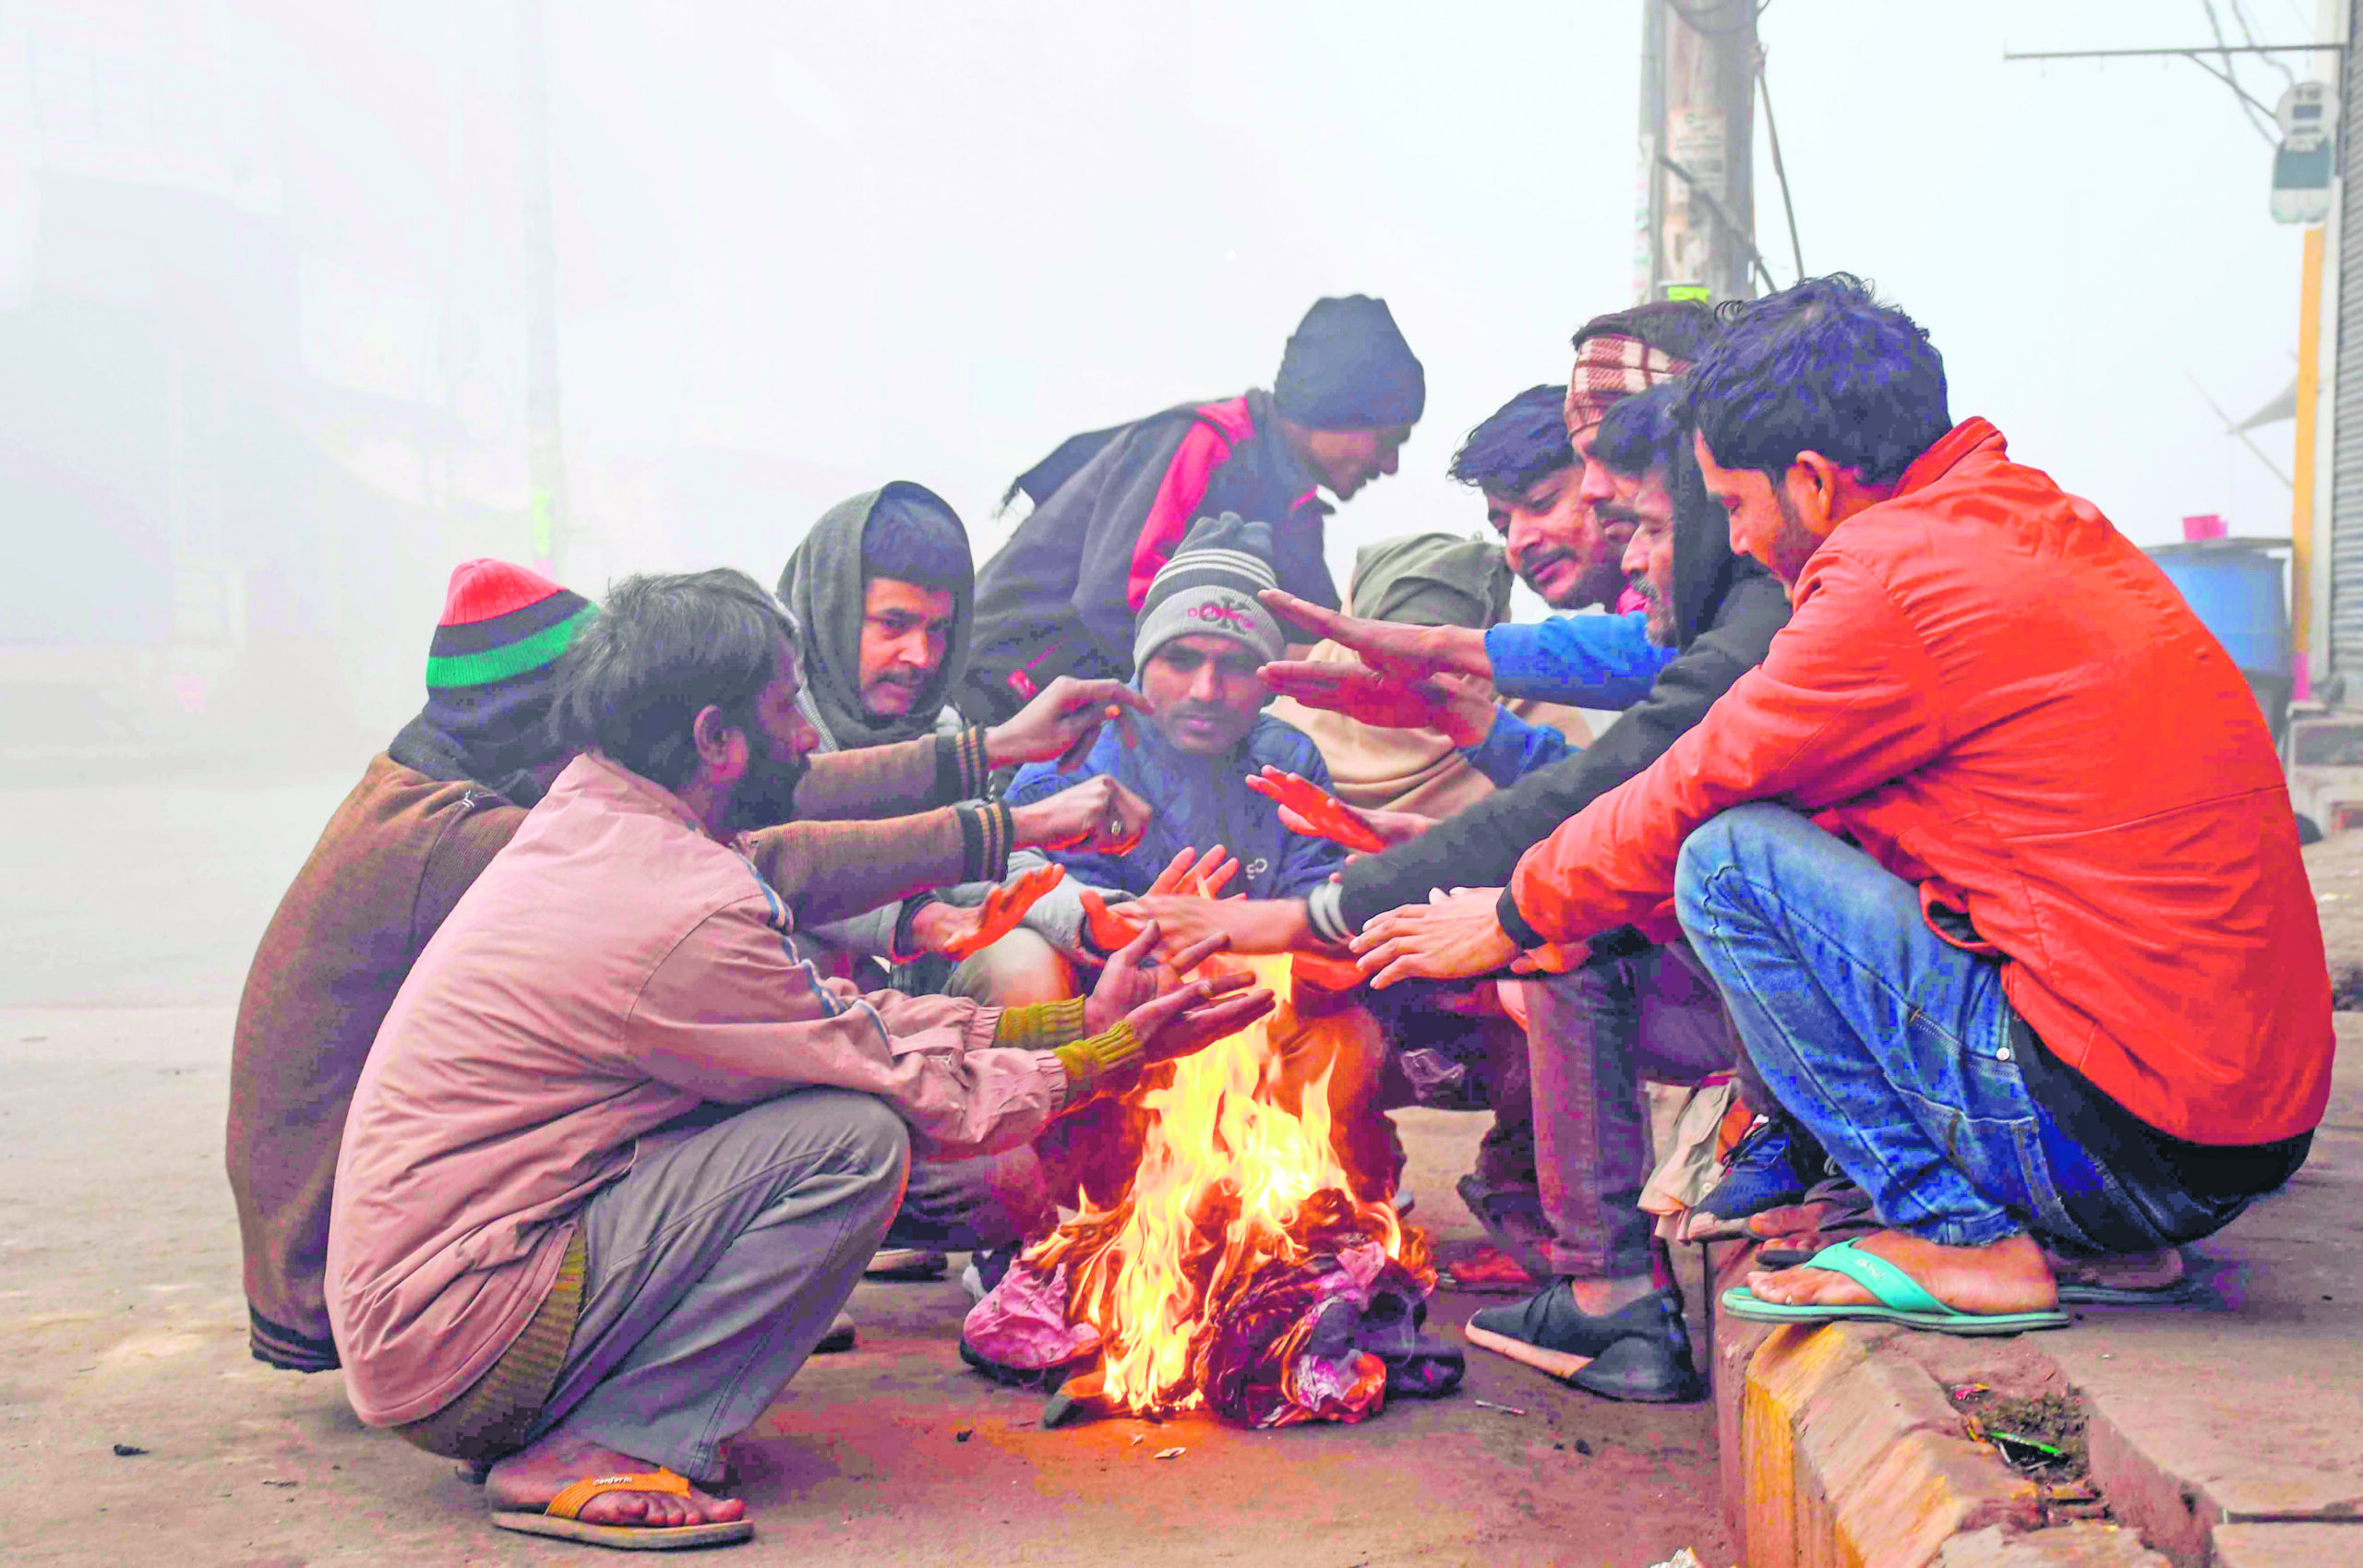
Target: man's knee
[(1019, 970), (1719, 844), (842, 1130), (877, 1140)]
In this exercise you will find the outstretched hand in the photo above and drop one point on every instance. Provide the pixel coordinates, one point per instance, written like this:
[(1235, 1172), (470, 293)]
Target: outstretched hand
[(1188, 1019), (1412, 651), (958, 933), (1110, 927), (1387, 701), (1316, 812), (1063, 720), (1135, 975), (1453, 936)]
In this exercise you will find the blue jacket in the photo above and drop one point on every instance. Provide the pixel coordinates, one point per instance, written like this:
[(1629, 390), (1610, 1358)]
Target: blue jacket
[(1200, 802), (1583, 660)]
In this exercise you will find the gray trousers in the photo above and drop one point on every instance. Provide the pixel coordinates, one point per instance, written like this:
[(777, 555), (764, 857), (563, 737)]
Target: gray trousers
[(715, 1263), (1592, 1036)]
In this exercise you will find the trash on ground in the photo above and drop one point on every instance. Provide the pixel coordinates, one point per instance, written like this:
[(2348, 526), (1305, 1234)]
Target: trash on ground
[(126, 1451), (1169, 1454), (1505, 1409), (2041, 1437)]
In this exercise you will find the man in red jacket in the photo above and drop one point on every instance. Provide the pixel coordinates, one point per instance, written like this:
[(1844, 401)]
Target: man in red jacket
[(1109, 506), (1991, 857)]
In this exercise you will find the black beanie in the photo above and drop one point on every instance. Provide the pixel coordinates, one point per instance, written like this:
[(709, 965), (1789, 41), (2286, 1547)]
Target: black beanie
[(1349, 369)]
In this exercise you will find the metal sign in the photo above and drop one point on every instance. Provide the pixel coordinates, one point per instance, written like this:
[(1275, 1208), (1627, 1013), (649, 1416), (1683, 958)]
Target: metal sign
[(2306, 106), (2302, 171)]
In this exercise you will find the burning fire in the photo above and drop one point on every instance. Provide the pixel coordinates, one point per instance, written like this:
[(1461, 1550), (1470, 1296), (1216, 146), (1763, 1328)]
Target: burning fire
[(1231, 1186)]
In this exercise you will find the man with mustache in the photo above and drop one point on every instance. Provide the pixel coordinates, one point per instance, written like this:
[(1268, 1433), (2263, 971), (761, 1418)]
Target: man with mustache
[(619, 1153), (1528, 461), (1565, 537), (1111, 505)]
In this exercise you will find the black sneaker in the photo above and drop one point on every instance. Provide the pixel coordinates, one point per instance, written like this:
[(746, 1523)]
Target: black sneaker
[(1641, 1351), (1772, 1167)]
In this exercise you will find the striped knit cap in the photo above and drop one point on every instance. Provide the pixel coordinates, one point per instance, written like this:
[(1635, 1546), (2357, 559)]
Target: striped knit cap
[(1208, 590), (489, 669), (1610, 367)]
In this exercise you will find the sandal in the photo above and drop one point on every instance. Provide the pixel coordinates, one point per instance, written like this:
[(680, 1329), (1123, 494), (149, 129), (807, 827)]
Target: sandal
[(562, 1520), (1900, 1299)]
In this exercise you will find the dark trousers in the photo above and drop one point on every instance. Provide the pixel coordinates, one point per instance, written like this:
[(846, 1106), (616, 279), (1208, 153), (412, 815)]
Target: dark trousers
[(1593, 1036)]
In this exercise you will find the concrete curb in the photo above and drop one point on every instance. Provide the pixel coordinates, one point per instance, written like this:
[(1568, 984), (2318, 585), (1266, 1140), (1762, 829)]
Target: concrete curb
[(1835, 1455), (1838, 1449)]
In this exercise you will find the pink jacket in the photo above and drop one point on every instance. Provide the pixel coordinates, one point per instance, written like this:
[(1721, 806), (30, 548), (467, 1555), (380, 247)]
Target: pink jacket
[(613, 968)]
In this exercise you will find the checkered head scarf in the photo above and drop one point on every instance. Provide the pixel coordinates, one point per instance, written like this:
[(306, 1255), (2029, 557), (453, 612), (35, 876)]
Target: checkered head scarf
[(1610, 369)]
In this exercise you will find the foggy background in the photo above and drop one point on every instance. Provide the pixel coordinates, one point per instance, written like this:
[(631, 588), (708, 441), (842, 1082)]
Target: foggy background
[(262, 303)]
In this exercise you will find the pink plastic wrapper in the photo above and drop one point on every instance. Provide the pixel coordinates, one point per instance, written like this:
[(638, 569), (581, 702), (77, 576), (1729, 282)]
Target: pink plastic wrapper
[(1022, 1322)]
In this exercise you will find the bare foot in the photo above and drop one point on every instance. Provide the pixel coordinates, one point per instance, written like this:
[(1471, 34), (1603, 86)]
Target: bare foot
[(2007, 1277), (526, 1480), (2121, 1270)]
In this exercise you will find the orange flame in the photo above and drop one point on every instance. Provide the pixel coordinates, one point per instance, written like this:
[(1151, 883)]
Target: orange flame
[(1226, 1189)]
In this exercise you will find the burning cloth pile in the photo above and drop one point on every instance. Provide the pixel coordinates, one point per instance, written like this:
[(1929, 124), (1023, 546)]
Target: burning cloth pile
[(1240, 1273)]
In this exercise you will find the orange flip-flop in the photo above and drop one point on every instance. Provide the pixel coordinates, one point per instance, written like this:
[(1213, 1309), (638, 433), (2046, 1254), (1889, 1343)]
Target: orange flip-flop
[(562, 1517)]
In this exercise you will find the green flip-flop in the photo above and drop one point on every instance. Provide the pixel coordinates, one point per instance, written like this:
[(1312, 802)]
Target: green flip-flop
[(1900, 1300)]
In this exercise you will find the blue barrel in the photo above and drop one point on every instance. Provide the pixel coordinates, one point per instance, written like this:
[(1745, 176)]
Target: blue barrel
[(2234, 586)]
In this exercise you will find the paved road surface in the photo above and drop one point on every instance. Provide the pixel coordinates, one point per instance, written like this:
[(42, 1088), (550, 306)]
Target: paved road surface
[(130, 917)]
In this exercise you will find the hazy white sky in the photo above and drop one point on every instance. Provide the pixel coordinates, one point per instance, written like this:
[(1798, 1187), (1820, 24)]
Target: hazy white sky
[(804, 249), (930, 242)]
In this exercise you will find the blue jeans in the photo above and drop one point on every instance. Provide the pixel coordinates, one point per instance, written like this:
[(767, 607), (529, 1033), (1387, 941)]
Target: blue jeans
[(1890, 1044)]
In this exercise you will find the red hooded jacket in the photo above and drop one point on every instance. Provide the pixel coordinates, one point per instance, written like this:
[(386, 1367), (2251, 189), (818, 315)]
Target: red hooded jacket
[(2006, 702)]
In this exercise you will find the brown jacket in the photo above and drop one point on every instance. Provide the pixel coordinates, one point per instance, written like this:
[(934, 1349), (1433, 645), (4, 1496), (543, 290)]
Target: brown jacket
[(391, 863)]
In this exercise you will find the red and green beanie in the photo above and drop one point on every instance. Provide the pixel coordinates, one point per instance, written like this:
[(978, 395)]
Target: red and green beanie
[(491, 668)]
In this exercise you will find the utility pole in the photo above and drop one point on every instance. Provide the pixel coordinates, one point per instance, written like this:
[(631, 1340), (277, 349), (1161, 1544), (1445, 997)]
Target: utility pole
[(1697, 210), (544, 455)]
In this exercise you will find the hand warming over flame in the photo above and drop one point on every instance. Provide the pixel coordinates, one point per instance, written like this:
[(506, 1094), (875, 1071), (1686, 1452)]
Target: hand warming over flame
[(1157, 1024), (1445, 704), (957, 932), (1135, 976), (1063, 720), (1309, 809), (1109, 926), (1389, 646), (1098, 817), (1453, 936)]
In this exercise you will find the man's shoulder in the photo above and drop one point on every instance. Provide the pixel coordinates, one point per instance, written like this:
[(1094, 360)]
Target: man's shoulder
[(1039, 780), (1279, 744), (397, 814)]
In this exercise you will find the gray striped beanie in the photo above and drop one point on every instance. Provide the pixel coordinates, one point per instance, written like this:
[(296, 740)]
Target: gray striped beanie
[(1208, 590)]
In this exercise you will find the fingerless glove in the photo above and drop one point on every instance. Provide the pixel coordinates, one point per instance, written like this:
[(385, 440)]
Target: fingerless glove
[(1091, 1063), (1041, 1026)]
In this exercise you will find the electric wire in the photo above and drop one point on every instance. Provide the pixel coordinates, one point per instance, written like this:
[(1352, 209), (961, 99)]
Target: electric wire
[(2259, 117), (1780, 170)]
